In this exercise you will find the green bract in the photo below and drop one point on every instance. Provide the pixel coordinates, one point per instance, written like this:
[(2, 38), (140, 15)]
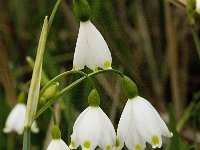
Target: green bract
[(82, 9), (129, 88), (93, 98), (56, 134)]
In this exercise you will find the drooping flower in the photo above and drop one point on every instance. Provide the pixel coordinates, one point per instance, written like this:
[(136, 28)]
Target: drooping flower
[(16, 120), (93, 128), (140, 123), (57, 143), (91, 49)]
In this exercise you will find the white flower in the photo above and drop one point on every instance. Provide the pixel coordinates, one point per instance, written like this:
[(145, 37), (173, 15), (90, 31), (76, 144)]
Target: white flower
[(57, 144), (140, 123), (16, 120), (198, 6), (93, 128), (91, 49)]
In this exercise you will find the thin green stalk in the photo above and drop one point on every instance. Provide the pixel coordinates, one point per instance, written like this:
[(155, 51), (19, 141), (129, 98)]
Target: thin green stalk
[(53, 14), (72, 85), (27, 138), (196, 38), (53, 115), (65, 74)]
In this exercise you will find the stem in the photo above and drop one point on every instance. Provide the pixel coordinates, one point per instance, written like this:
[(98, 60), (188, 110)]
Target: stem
[(196, 39), (53, 115), (27, 138), (53, 14), (65, 74), (69, 87)]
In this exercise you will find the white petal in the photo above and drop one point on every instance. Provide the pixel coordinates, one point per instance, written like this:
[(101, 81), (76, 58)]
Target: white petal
[(81, 50), (108, 138), (133, 138), (99, 51), (57, 145), (16, 118), (124, 124), (164, 130), (145, 120), (87, 128), (34, 127)]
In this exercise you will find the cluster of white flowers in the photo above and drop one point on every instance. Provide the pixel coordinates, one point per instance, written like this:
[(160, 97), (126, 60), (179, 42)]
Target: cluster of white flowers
[(139, 122)]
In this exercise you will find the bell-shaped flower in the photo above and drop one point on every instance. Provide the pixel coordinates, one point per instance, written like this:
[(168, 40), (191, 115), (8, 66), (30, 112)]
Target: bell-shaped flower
[(57, 143), (140, 123), (93, 128), (91, 49), (16, 120)]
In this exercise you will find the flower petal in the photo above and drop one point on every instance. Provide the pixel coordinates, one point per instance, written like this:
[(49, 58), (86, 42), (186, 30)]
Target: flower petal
[(123, 125), (108, 138), (98, 47), (57, 145), (145, 119), (81, 50)]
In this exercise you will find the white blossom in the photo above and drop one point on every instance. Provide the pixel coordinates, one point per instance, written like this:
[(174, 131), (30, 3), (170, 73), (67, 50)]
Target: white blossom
[(93, 128), (57, 144), (16, 120), (91, 49), (140, 123)]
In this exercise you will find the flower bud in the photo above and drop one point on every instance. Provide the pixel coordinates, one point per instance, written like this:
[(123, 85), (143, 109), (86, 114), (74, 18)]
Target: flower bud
[(129, 88), (82, 9), (93, 98), (51, 91), (55, 133)]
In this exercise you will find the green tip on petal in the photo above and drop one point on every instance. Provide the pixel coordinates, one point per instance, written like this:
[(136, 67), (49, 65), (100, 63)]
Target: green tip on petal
[(93, 98), (56, 134), (155, 140), (107, 64), (117, 142), (86, 144), (129, 88), (72, 144), (108, 147), (82, 9), (137, 147)]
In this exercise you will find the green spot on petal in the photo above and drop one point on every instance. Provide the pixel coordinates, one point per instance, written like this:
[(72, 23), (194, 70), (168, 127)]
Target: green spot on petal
[(86, 144), (96, 69), (107, 64), (108, 147), (74, 67), (155, 139), (72, 144), (137, 147), (117, 142)]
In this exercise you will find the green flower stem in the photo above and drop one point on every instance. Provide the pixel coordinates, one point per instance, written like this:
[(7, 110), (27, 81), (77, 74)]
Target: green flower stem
[(65, 74), (196, 39), (53, 14), (53, 115), (69, 87), (27, 138)]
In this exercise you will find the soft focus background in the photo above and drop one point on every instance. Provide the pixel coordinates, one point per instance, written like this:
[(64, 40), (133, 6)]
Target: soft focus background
[(150, 41)]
